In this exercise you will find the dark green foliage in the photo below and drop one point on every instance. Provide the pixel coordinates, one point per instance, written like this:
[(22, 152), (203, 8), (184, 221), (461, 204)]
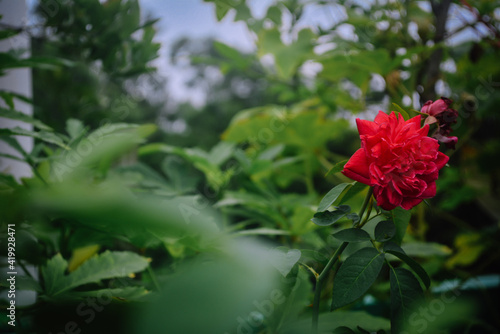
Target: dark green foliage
[(225, 226)]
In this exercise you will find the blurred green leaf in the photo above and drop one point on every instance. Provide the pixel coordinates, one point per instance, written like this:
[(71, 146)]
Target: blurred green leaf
[(284, 259), (74, 128), (234, 282), (426, 249), (48, 137), (103, 266), (287, 57), (129, 293), (19, 116)]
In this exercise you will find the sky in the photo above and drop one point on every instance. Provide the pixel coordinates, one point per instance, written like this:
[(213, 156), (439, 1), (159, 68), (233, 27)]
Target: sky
[(195, 19)]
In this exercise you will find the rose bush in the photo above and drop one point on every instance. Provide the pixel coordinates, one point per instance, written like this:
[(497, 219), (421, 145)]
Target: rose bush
[(397, 159), (440, 112)]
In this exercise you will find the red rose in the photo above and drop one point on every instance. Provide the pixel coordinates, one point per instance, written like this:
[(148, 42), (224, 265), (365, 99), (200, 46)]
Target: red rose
[(397, 159)]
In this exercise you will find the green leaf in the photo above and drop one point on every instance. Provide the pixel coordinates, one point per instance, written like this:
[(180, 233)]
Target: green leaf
[(199, 158), (221, 152), (385, 230), (235, 57), (7, 98), (353, 191), (48, 137), (74, 127), (19, 116), (288, 57), (426, 249), (8, 181), (401, 218), (10, 156), (12, 142), (356, 275), (272, 152), (274, 14), (414, 265), (104, 266), (6, 33), (221, 8), (327, 218), (338, 167), (236, 282), (53, 274), (343, 330), (284, 259), (27, 283), (129, 293), (262, 231), (354, 217), (401, 111), (352, 235), (332, 196), (405, 291)]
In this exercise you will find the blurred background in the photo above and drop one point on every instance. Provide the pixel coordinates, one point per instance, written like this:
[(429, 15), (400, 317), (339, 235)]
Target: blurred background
[(164, 133)]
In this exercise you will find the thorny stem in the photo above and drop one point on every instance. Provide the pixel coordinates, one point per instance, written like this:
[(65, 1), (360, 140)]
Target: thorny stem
[(324, 274)]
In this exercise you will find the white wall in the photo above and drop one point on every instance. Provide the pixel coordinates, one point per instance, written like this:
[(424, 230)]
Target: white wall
[(14, 13)]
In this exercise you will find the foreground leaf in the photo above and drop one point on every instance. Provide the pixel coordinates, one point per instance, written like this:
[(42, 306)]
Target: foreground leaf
[(417, 268), (352, 235), (401, 218), (405, 290), (329, 217), (385, 230), (332, 196), (356, 275)]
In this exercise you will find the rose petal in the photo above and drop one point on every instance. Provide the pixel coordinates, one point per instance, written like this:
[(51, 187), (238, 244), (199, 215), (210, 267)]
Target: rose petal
[(441, 160), (381, 118), (382, 200), (430, 191), (409, 203), (357, 167), (366, 127)]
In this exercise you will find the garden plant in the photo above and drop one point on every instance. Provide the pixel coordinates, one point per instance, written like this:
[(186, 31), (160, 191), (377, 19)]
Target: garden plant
[(342, 177)]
